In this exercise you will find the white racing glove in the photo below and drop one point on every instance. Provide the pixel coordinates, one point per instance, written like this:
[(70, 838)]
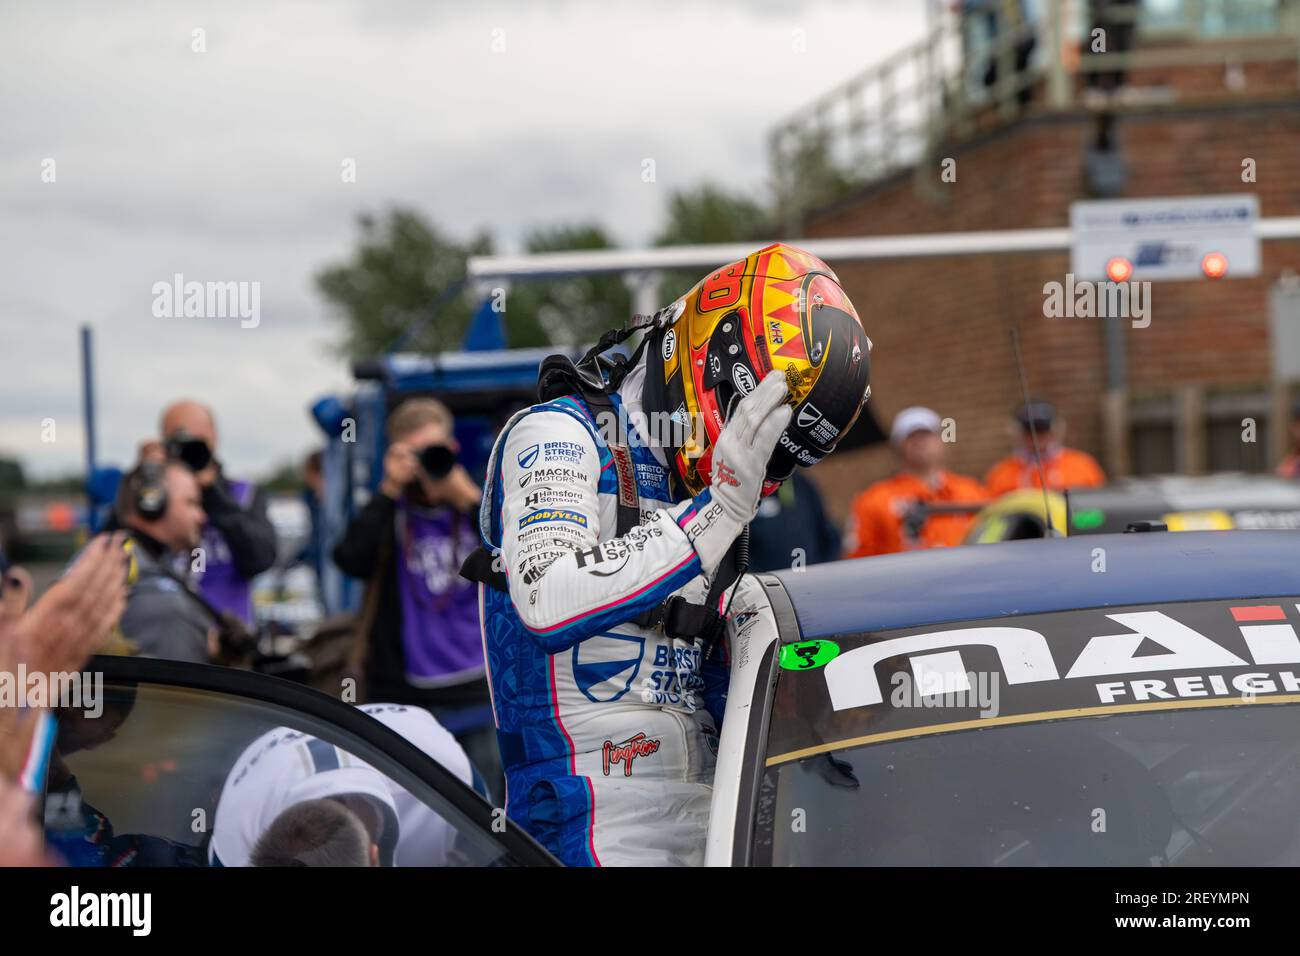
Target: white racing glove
[(739, 465)]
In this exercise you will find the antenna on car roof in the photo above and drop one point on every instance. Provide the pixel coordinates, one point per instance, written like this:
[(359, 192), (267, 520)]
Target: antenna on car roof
[(1033, 433)]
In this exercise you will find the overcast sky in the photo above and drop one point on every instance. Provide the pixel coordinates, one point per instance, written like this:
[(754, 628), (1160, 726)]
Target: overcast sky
[(226, 165)]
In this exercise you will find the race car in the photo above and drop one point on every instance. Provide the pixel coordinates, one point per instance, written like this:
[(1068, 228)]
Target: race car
[(1119, 700), (1102, 700), (1178, 502)]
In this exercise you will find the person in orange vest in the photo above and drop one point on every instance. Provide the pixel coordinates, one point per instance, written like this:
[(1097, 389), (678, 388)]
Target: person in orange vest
[(884, 518), (1290, 465), (1063, 467)]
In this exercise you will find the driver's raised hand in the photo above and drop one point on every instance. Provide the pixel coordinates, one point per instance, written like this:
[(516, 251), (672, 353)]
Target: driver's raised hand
[(739, 467)]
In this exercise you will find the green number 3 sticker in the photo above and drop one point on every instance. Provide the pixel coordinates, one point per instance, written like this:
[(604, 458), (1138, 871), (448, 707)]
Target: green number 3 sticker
[(808, 654)]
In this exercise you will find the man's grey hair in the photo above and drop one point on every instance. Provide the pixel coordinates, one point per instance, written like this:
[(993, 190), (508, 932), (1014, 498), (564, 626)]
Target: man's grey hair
[(314, 833)]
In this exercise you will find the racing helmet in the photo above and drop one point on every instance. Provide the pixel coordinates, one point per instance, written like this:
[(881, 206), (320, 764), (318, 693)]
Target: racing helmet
[(778, 308)]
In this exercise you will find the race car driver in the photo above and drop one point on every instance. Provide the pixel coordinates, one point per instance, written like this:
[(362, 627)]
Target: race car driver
[(603, 528), (285, 767)]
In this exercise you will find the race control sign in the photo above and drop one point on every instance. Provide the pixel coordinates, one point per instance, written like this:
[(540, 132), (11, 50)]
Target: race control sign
[(1165, 238)]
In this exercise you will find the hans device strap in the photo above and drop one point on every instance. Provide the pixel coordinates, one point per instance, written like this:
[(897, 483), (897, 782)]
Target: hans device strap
[(593, 378)]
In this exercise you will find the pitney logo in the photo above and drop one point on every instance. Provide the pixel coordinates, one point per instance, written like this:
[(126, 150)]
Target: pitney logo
[(528, 456), (626, 752)]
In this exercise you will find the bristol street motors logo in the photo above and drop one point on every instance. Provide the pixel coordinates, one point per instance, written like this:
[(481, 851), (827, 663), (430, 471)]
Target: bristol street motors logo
[(810, 417), (528, 456), (636, 746)]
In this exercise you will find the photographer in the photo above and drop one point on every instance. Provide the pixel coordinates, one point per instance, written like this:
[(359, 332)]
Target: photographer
[(424, 646), (159, 505), (239, 540)]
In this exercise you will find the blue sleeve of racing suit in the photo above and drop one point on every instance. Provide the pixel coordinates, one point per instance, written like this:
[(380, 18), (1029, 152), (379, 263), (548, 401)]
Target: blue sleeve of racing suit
[(565, 584)]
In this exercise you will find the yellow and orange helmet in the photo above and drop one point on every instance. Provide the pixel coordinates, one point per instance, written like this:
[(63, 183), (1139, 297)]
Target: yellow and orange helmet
[(778, 308)]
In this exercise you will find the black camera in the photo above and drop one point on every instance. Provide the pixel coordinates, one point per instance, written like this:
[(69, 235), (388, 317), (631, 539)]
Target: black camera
[(437, 461), (190, 451)]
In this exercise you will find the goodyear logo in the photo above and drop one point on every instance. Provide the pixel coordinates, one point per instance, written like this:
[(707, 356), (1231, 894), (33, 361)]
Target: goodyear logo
[(553, 514)]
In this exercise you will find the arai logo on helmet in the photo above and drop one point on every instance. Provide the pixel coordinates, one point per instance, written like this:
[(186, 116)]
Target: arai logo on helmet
[(743, 378), (670, 344)]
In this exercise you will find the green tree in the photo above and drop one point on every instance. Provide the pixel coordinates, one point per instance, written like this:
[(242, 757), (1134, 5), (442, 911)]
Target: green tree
[(708, 214), (807, 177), (283, 478), (12, 477), (401, 270), (571, 311)]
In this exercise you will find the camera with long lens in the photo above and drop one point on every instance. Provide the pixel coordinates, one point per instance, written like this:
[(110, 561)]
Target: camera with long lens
[(189, 450), (437, 461)]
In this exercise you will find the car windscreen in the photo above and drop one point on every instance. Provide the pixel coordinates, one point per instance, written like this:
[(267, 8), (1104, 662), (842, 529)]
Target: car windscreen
[(1153, 735)]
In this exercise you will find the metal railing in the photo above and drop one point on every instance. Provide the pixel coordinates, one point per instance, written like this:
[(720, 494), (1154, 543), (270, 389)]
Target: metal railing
[(969, 75)]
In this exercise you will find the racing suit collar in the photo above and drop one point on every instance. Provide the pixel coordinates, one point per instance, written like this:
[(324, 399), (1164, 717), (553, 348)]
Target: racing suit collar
[(632, 394)]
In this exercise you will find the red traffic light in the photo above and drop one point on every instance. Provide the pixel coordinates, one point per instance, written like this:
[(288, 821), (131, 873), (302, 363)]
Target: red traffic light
[(1214, 265), (1118, 269)]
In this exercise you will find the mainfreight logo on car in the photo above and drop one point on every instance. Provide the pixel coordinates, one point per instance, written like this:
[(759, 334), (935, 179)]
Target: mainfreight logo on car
[(1083, 659), (553, 514)]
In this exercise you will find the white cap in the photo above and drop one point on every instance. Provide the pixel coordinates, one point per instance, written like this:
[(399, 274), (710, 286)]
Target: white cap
[(916, 418), (284, 767)]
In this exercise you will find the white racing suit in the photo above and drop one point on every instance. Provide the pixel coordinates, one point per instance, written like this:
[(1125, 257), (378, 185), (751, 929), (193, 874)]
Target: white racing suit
[(608, 730)]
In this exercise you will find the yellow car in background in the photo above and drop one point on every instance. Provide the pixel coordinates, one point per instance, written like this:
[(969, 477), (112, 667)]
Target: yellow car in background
[(1176, 502)]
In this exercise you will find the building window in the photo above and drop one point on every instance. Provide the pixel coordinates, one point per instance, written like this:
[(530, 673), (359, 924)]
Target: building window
[(1209, 18), (1152, 448), (1236, 432)]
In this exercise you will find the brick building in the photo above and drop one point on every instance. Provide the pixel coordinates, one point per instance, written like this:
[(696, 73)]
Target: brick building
[(1189, 112)]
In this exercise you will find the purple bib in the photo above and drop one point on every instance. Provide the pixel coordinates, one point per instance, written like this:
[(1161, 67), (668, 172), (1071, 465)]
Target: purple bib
[(220, 581), (440, 632)]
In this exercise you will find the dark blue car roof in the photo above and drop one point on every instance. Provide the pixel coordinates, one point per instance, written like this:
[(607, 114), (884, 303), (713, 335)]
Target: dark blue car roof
[(1030, 577)]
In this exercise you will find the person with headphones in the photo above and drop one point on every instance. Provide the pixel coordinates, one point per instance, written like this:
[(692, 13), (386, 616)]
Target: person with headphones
[(159, 504)]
